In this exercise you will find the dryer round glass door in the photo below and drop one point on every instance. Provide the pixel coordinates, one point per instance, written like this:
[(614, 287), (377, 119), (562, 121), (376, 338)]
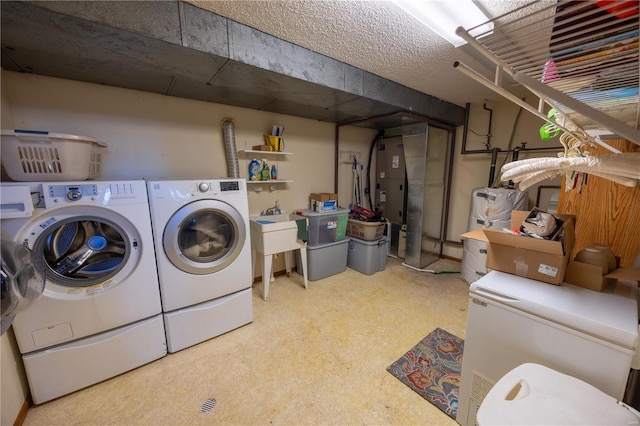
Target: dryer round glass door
[(204, 237), (85, 250)]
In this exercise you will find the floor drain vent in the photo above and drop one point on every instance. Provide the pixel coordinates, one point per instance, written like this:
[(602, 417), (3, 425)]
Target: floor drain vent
[(208, 405)]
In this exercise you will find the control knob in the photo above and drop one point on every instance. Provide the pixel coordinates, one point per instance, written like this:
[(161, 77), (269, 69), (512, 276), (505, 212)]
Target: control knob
[(74, 195)]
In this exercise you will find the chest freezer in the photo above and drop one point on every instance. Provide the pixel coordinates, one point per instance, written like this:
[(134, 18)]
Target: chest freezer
[(513, 320)]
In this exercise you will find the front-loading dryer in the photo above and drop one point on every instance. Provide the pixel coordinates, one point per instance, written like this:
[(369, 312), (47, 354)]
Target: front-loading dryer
[(203, 250), (100, 312)]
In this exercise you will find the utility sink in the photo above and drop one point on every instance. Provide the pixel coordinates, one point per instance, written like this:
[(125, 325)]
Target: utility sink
[(273, 234), (276, 233)]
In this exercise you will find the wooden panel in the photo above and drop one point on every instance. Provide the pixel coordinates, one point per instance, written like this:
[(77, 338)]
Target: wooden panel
[(606, 212)]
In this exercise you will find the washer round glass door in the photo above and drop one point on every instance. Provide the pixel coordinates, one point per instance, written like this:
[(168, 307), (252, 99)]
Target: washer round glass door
[(204, 237), (82, 249)]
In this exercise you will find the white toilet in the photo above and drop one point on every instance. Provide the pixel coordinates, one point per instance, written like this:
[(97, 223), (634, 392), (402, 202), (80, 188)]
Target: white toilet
[(532, 394)]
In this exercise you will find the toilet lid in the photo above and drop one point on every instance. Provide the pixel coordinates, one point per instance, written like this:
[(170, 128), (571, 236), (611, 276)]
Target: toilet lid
[(532, 394)]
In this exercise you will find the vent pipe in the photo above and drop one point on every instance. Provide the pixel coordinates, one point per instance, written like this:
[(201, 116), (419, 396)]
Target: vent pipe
[(229, 136), (492, 169)]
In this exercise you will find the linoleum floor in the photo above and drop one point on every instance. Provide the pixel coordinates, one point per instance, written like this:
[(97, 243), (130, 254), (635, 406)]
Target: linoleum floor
[(310, 357)]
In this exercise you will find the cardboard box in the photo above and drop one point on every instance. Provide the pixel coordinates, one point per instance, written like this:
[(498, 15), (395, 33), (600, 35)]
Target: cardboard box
[(261, 148), (590, 276), (323, 196), (323, 202), (323, 206), (538, 259)]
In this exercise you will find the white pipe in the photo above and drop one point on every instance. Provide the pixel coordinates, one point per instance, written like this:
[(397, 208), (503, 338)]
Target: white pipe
[(418, 269)]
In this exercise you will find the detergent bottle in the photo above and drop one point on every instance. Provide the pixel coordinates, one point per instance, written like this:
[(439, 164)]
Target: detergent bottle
[(274, 172), (266, 173), (254, 170)]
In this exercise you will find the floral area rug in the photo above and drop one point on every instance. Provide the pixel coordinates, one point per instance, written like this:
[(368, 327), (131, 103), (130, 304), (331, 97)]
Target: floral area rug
[(432, 369)]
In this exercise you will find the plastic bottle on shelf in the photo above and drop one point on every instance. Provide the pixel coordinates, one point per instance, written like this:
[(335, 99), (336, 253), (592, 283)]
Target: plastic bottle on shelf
[(274, 172), (254, 170), (266, 173)]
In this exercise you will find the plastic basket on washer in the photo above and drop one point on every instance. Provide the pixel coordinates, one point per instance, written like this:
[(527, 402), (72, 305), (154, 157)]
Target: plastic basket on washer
[(29, 155)]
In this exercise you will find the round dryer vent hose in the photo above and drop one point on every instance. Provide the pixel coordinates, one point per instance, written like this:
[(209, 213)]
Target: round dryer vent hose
[(229, 135)]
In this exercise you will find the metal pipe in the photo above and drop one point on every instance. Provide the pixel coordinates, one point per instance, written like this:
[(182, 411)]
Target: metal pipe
[(516, 152), (464, 149), (492, 169), (447, 197), (336, 156), (484, 106), (514, 157), (467, 114), (368, 183)]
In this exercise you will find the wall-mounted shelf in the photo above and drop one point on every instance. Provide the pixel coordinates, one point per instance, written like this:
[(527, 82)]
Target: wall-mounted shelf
[(256, 182), (581, 58), (251, 151), (258, 185)]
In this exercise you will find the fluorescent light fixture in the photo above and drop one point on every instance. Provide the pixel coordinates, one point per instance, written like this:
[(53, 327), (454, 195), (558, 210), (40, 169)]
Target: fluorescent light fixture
[(444, 16)]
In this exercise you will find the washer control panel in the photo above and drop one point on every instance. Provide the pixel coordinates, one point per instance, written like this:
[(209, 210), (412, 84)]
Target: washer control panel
[(73, 192), (91, 193)]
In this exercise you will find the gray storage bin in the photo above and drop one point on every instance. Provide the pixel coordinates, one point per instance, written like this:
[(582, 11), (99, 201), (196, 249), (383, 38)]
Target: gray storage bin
[(325, 260), (367, 257)]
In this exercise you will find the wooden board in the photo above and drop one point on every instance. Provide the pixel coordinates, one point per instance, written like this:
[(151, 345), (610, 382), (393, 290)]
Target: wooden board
[(606, 212)]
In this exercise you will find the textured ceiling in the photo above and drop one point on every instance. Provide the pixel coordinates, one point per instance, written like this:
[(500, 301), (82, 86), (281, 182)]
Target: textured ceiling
[(376, 36), (340, 61)]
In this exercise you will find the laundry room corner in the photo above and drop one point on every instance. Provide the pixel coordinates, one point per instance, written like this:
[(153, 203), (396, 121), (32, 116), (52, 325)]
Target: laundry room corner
[(319, 212)]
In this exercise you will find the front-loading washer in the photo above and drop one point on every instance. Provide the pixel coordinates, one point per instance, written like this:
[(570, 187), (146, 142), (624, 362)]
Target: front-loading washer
[(100, 312), (203, 251)]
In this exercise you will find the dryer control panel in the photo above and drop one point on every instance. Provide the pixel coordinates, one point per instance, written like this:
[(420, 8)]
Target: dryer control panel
[(216, 186), (230, 185)]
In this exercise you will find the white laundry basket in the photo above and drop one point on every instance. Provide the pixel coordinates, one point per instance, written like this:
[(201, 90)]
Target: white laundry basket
[(29, 155)]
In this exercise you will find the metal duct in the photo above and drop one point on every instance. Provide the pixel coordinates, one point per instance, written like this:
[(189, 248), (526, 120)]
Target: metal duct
[(415, 155), (426, 152), (229, 135), (177, 49)]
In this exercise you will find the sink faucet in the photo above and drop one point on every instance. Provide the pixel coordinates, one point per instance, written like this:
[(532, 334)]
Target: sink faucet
[(272, 210)]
